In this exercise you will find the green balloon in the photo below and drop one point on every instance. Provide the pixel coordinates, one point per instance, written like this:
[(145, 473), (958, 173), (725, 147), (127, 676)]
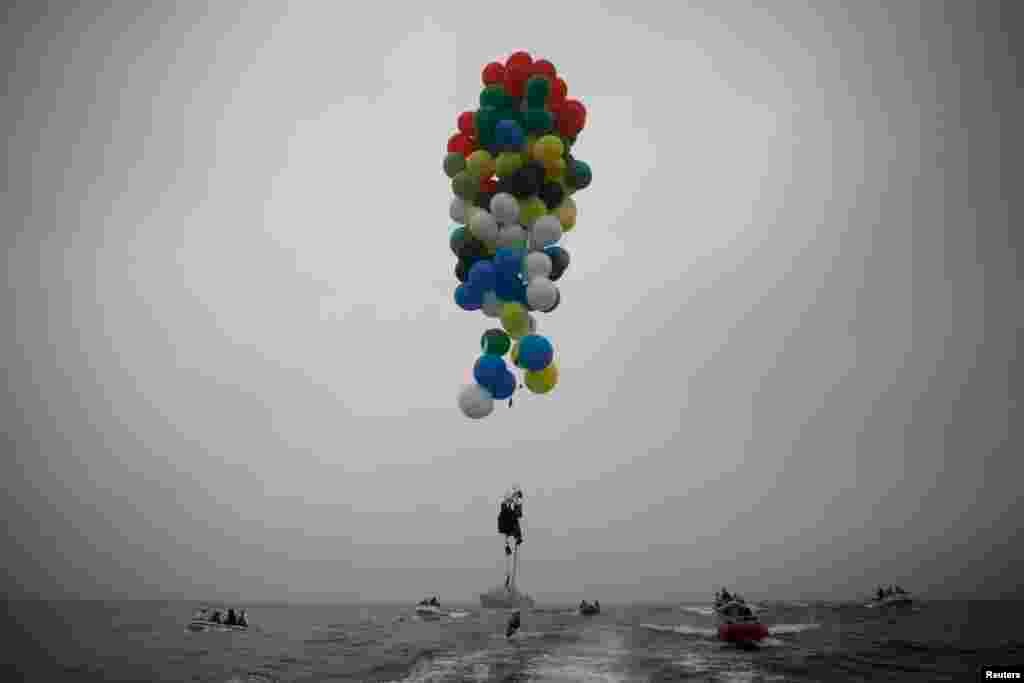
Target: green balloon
[(465, 185), (495, 342), (537, 90), (453, 163), (537, 121), (493, 95), (578, 174)]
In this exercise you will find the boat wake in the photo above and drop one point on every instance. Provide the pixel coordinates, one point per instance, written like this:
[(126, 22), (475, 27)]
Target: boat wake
[(701, 611), (790, 629), (682, 629)]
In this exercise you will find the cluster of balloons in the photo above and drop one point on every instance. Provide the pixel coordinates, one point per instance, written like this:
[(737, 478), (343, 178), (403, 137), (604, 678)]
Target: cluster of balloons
[(513, 174)]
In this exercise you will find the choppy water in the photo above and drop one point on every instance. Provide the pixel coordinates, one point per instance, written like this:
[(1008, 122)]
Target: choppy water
[(129, 641)]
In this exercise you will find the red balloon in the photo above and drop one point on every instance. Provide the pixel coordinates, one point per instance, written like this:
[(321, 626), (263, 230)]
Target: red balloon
[(515, 80), (521, 58), (489, 185), (559, 89), (462, 144), (494, 73), (466, 124), (543, 67)]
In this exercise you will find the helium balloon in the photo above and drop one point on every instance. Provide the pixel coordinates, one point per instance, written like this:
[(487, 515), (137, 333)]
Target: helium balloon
[(535, 352), (480, 164), (467, 298), (461, 271), (508, 261), (494, 73), (548, 148), (505, 208), (538, 120), (537, 90), (552, 194), (546, 231), (519, 58), (488, 369), (541, 293), (493, 95), (453, 163), (555, 170), (509, 288), (457, 239), (537, 264), (507, 163), (579, 175), (483, 276), (567, 214), (509, 135), (484, 227), (512, 235), (543, 67), (559, 261), (466, 124), (465, 185), (558, 300), (505, 386), (457, 210), (492, 305), (495, 342), (475, 402), (531, 210), (542, 381)]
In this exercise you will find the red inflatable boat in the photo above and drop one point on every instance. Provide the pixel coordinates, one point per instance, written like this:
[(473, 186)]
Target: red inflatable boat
[(746, 632)]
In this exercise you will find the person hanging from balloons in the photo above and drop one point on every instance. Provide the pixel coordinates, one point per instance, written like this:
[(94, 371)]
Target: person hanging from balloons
[(514, 174)]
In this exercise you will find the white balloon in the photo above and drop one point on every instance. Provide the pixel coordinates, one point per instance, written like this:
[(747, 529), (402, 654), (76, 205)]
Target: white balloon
[(538, 264), (475, 401), (541, 294), (491, 305), (484, 227), (510, 235), (458, 211), (505, 208), (546, 231)]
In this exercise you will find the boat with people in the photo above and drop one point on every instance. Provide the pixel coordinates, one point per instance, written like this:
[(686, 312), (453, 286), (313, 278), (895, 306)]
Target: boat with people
[(590, 608), (429, 607), (219, 619), (893, 596), (737, 622)]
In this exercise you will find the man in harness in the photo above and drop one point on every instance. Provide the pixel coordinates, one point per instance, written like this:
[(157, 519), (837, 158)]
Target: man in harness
[(508, 524)]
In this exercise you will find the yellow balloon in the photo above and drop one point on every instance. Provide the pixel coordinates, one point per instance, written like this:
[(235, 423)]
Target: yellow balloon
[(514, 319), (555, 169), (549, 147), (542, 381), (566, 213)]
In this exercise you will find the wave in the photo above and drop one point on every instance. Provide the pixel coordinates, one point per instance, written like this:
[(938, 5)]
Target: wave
[(682, 629)]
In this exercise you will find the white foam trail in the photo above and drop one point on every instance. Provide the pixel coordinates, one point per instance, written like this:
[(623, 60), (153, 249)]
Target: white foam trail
[(702, 611), (682, 629), (458, 614), (791, 628)]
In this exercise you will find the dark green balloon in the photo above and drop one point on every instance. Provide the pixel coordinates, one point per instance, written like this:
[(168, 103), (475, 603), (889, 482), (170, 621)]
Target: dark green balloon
[(493, 95), (458, 239), (453, 163), (465, 185), (537, 121), (537, 90), (495, 342), (578, 174)]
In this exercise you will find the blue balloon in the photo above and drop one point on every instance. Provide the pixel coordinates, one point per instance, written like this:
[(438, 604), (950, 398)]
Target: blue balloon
[(488, 371), (509, 135), (505, 386), (508, 261), (469, 298), (535, 352), (509, 288), (483, 275)]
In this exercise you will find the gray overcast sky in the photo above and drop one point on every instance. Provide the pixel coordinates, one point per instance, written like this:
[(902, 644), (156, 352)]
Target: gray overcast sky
[(786, 338)]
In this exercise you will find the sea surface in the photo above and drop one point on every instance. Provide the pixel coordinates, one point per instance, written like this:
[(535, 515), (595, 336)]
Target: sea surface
[(148, 641)]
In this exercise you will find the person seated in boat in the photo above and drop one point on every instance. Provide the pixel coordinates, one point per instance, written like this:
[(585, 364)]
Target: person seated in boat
[(242, 619), (881, 593), (899, 591), (597, 605), (215, 617), (435, 601), (583, 604), (725, 596), (232, 620)]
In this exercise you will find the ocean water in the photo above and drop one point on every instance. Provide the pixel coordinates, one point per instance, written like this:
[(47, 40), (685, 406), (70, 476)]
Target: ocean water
[(139, 641)]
